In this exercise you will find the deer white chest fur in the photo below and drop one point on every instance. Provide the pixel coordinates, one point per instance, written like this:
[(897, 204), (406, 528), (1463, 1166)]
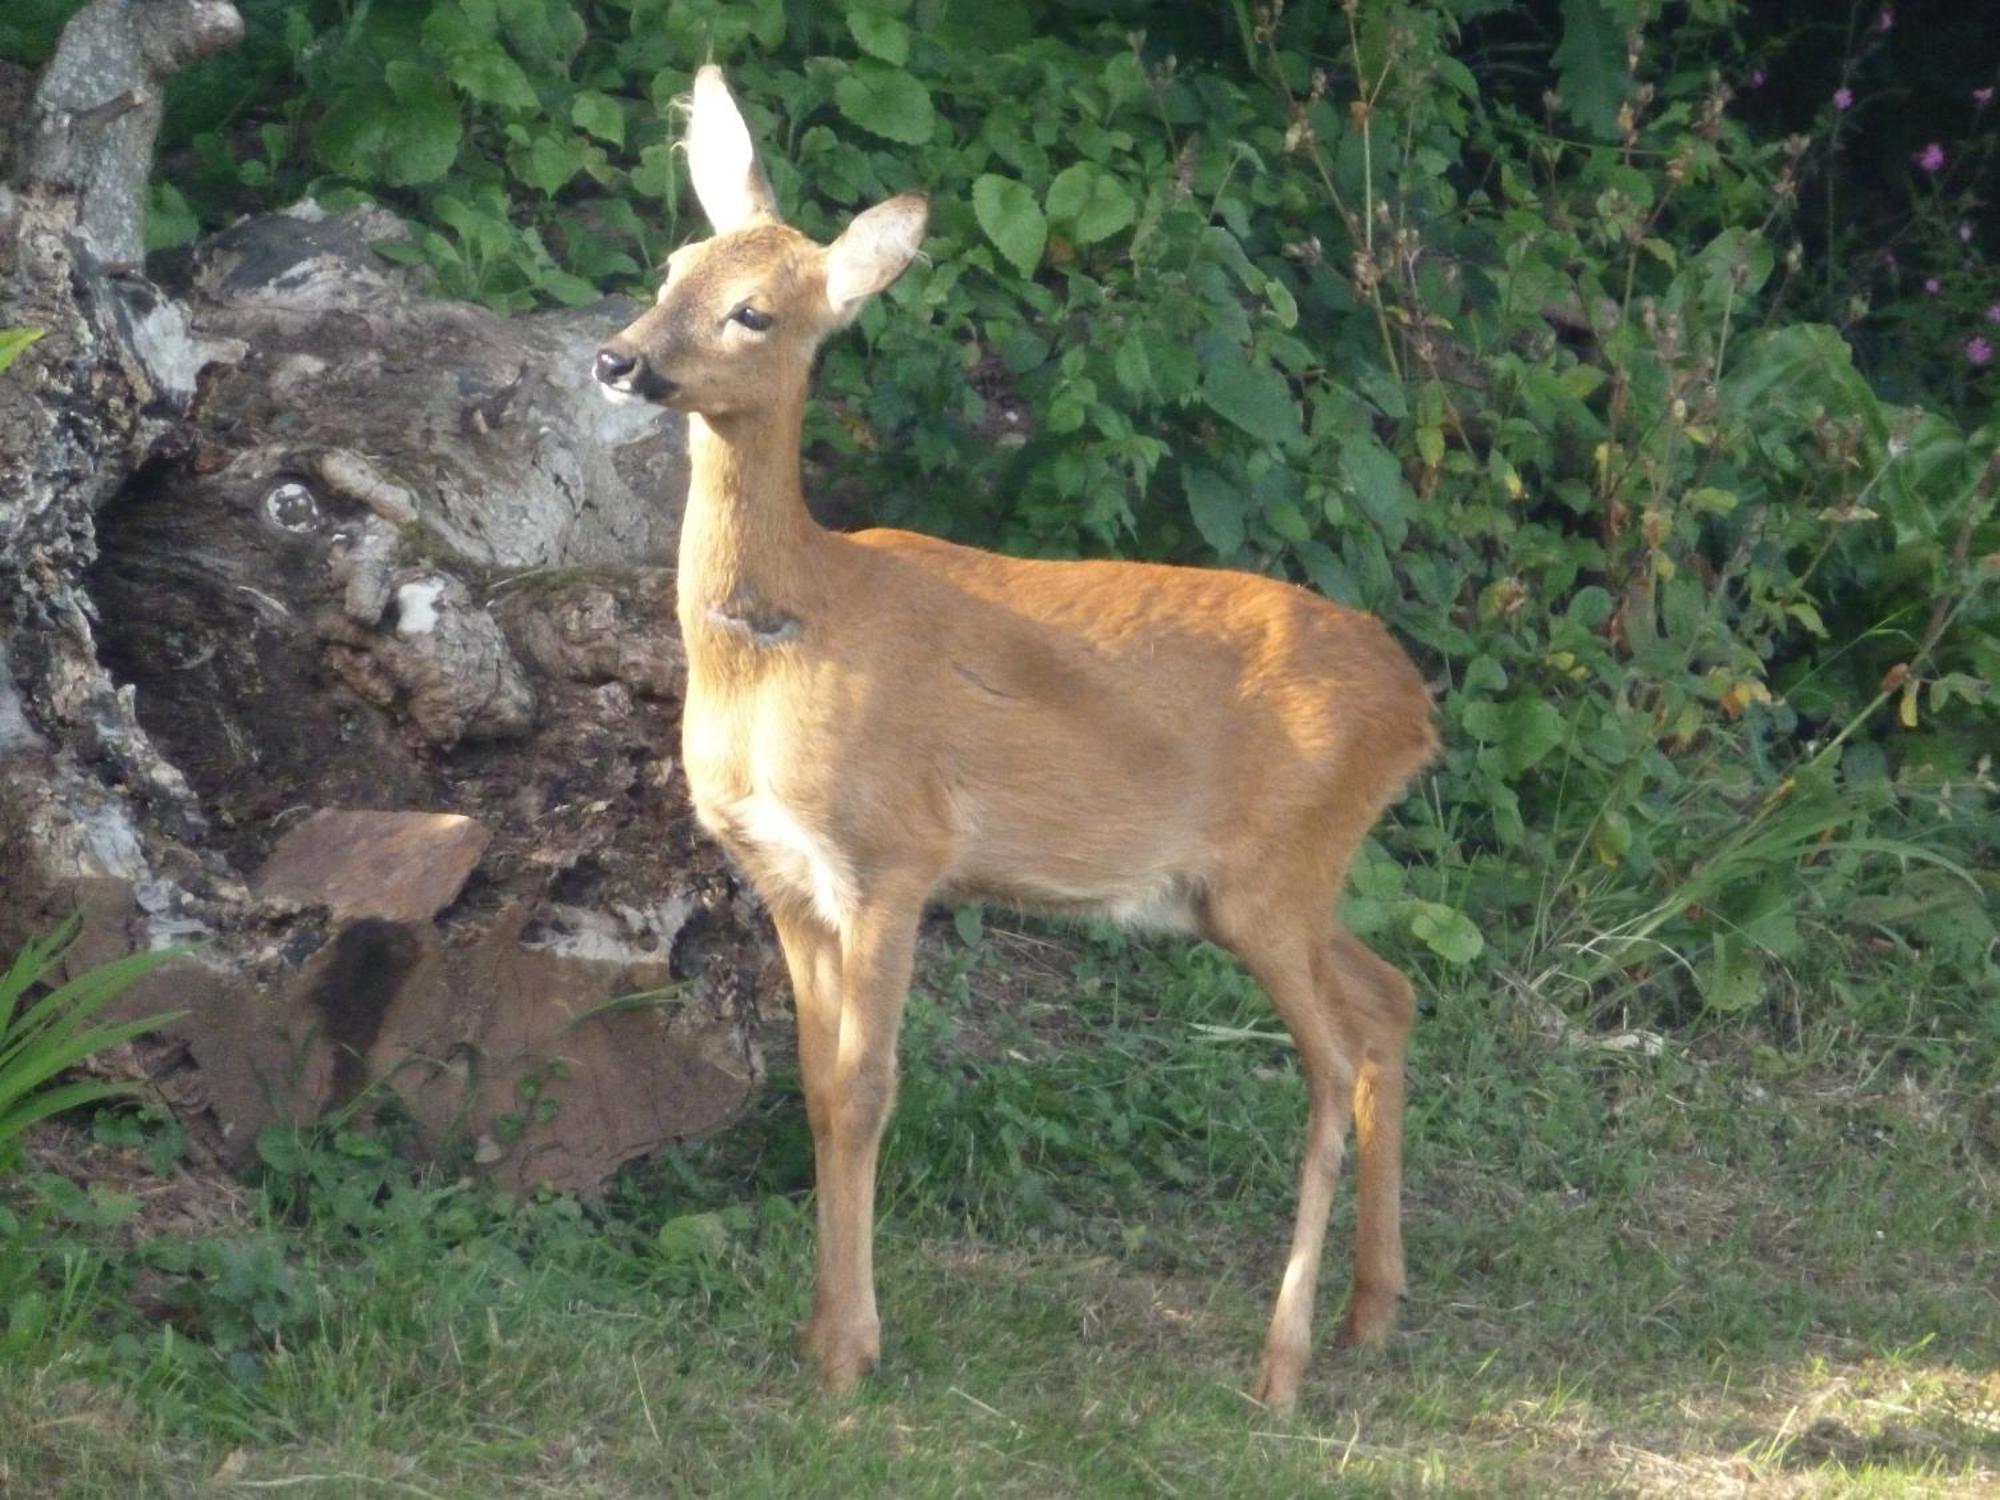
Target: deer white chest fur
[(739, 797), (787, 856), (876, 721)]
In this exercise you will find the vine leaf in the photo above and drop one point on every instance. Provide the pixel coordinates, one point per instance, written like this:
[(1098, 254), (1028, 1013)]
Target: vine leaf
[(1590, 63), (1012, 219), (887, 101)]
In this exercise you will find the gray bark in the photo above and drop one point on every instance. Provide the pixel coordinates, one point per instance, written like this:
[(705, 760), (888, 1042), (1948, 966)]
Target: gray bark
[(290, 540)]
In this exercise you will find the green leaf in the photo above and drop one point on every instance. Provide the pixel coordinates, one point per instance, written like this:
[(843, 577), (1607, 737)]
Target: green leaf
[(1446, 931), (1611, 838), (880, 35), (1089, 203), (699, 31), (283, 1149), (170, 221), (1285, 518), (655, 175), (421, 137), (547, 33), (1582, 381), (1012, 219), (14, 343), (1530, 728), (1590, 66), (1217, 507), (691, 1239), (887, 101), (1798, 367), (970, 922), (1175, 369), (1284, 306), (600, 115), (492, 77), (37, 1107), (1480, 718), (350, 134), (1384, 390), (1590, 608), (1376, 481), (1253, 396), (552, 160), (53, 1034), (1733, 978), (568, 289), (1130, 364)]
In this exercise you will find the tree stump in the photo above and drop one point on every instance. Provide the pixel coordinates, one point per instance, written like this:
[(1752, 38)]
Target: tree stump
[(339, 649)]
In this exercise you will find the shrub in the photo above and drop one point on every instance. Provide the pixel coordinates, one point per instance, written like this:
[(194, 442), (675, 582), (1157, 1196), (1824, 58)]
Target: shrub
[(1528, 360)]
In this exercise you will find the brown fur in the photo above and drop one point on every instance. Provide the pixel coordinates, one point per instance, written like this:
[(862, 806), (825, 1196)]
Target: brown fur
[(881, 720)]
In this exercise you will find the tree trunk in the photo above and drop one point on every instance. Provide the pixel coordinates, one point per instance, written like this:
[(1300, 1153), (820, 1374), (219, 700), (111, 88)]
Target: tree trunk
[(338, 646)]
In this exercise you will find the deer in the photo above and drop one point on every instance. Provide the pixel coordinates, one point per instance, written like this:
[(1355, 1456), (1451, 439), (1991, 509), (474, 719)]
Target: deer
[(877, 721)]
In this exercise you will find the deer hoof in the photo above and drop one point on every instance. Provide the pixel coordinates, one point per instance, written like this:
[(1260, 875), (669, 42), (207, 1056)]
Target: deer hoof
[(1279, 1380), (844, 1355), (1370, 1315)]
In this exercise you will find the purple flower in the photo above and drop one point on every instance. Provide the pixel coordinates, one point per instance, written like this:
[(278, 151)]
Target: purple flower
[(1889, 259), (1978, 351), (1756, 78), (1885, 19), (1965, 234), (1932, 285), (1983, 96), (1931, 158), (1993, 313), (1843, 98)]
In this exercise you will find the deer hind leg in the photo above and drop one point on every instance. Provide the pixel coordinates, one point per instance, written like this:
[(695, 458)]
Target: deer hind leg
[(849, 1068), (1385, 1006), (1295, 964)]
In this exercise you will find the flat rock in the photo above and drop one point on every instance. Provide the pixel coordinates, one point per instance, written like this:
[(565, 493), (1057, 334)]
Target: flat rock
[(399, 866)]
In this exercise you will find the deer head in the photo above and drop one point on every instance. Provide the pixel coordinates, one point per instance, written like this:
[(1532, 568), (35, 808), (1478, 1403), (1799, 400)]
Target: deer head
[(740, 314)]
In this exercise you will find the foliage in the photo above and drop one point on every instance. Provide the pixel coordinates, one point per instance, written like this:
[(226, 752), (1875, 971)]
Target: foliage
[(1526, 363), (46, 1029), (14, 342)]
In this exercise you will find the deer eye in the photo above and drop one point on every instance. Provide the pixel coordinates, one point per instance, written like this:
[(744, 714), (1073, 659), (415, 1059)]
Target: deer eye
[(750, 318)]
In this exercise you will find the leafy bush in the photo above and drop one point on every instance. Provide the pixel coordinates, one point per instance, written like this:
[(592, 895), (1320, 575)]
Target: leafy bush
[(1522, 359), (45, 1030)]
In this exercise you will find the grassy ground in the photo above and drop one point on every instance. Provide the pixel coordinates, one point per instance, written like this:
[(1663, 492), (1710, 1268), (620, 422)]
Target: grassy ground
[(1718, 1267)]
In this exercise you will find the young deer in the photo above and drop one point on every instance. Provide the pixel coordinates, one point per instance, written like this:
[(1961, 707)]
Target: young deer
[(879, 720)]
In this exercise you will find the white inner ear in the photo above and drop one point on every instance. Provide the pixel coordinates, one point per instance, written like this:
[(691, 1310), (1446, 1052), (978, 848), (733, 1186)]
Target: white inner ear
[(722, 163), (874, 251)]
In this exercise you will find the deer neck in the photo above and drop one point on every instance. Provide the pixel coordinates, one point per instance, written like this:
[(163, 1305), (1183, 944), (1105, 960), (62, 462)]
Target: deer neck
[(752, 564)]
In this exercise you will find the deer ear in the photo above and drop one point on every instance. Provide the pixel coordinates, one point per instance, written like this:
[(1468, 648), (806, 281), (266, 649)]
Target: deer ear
[(722, 164), (873, 251)]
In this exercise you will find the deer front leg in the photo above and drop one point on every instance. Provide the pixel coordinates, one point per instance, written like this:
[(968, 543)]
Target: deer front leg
[(812, 957), (856, 1085)]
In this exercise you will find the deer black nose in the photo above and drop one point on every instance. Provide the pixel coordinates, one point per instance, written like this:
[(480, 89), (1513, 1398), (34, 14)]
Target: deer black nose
[(613, 367), (631, 375)]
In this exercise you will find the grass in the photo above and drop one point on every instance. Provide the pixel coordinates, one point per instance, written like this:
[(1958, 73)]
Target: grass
[(1727, 1265)]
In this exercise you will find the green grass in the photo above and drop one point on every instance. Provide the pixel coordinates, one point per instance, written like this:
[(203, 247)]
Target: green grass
[(1730, 1264)]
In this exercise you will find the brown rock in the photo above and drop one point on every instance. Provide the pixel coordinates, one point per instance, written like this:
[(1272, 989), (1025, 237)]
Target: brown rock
[(399, 866), (567, 1068)]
